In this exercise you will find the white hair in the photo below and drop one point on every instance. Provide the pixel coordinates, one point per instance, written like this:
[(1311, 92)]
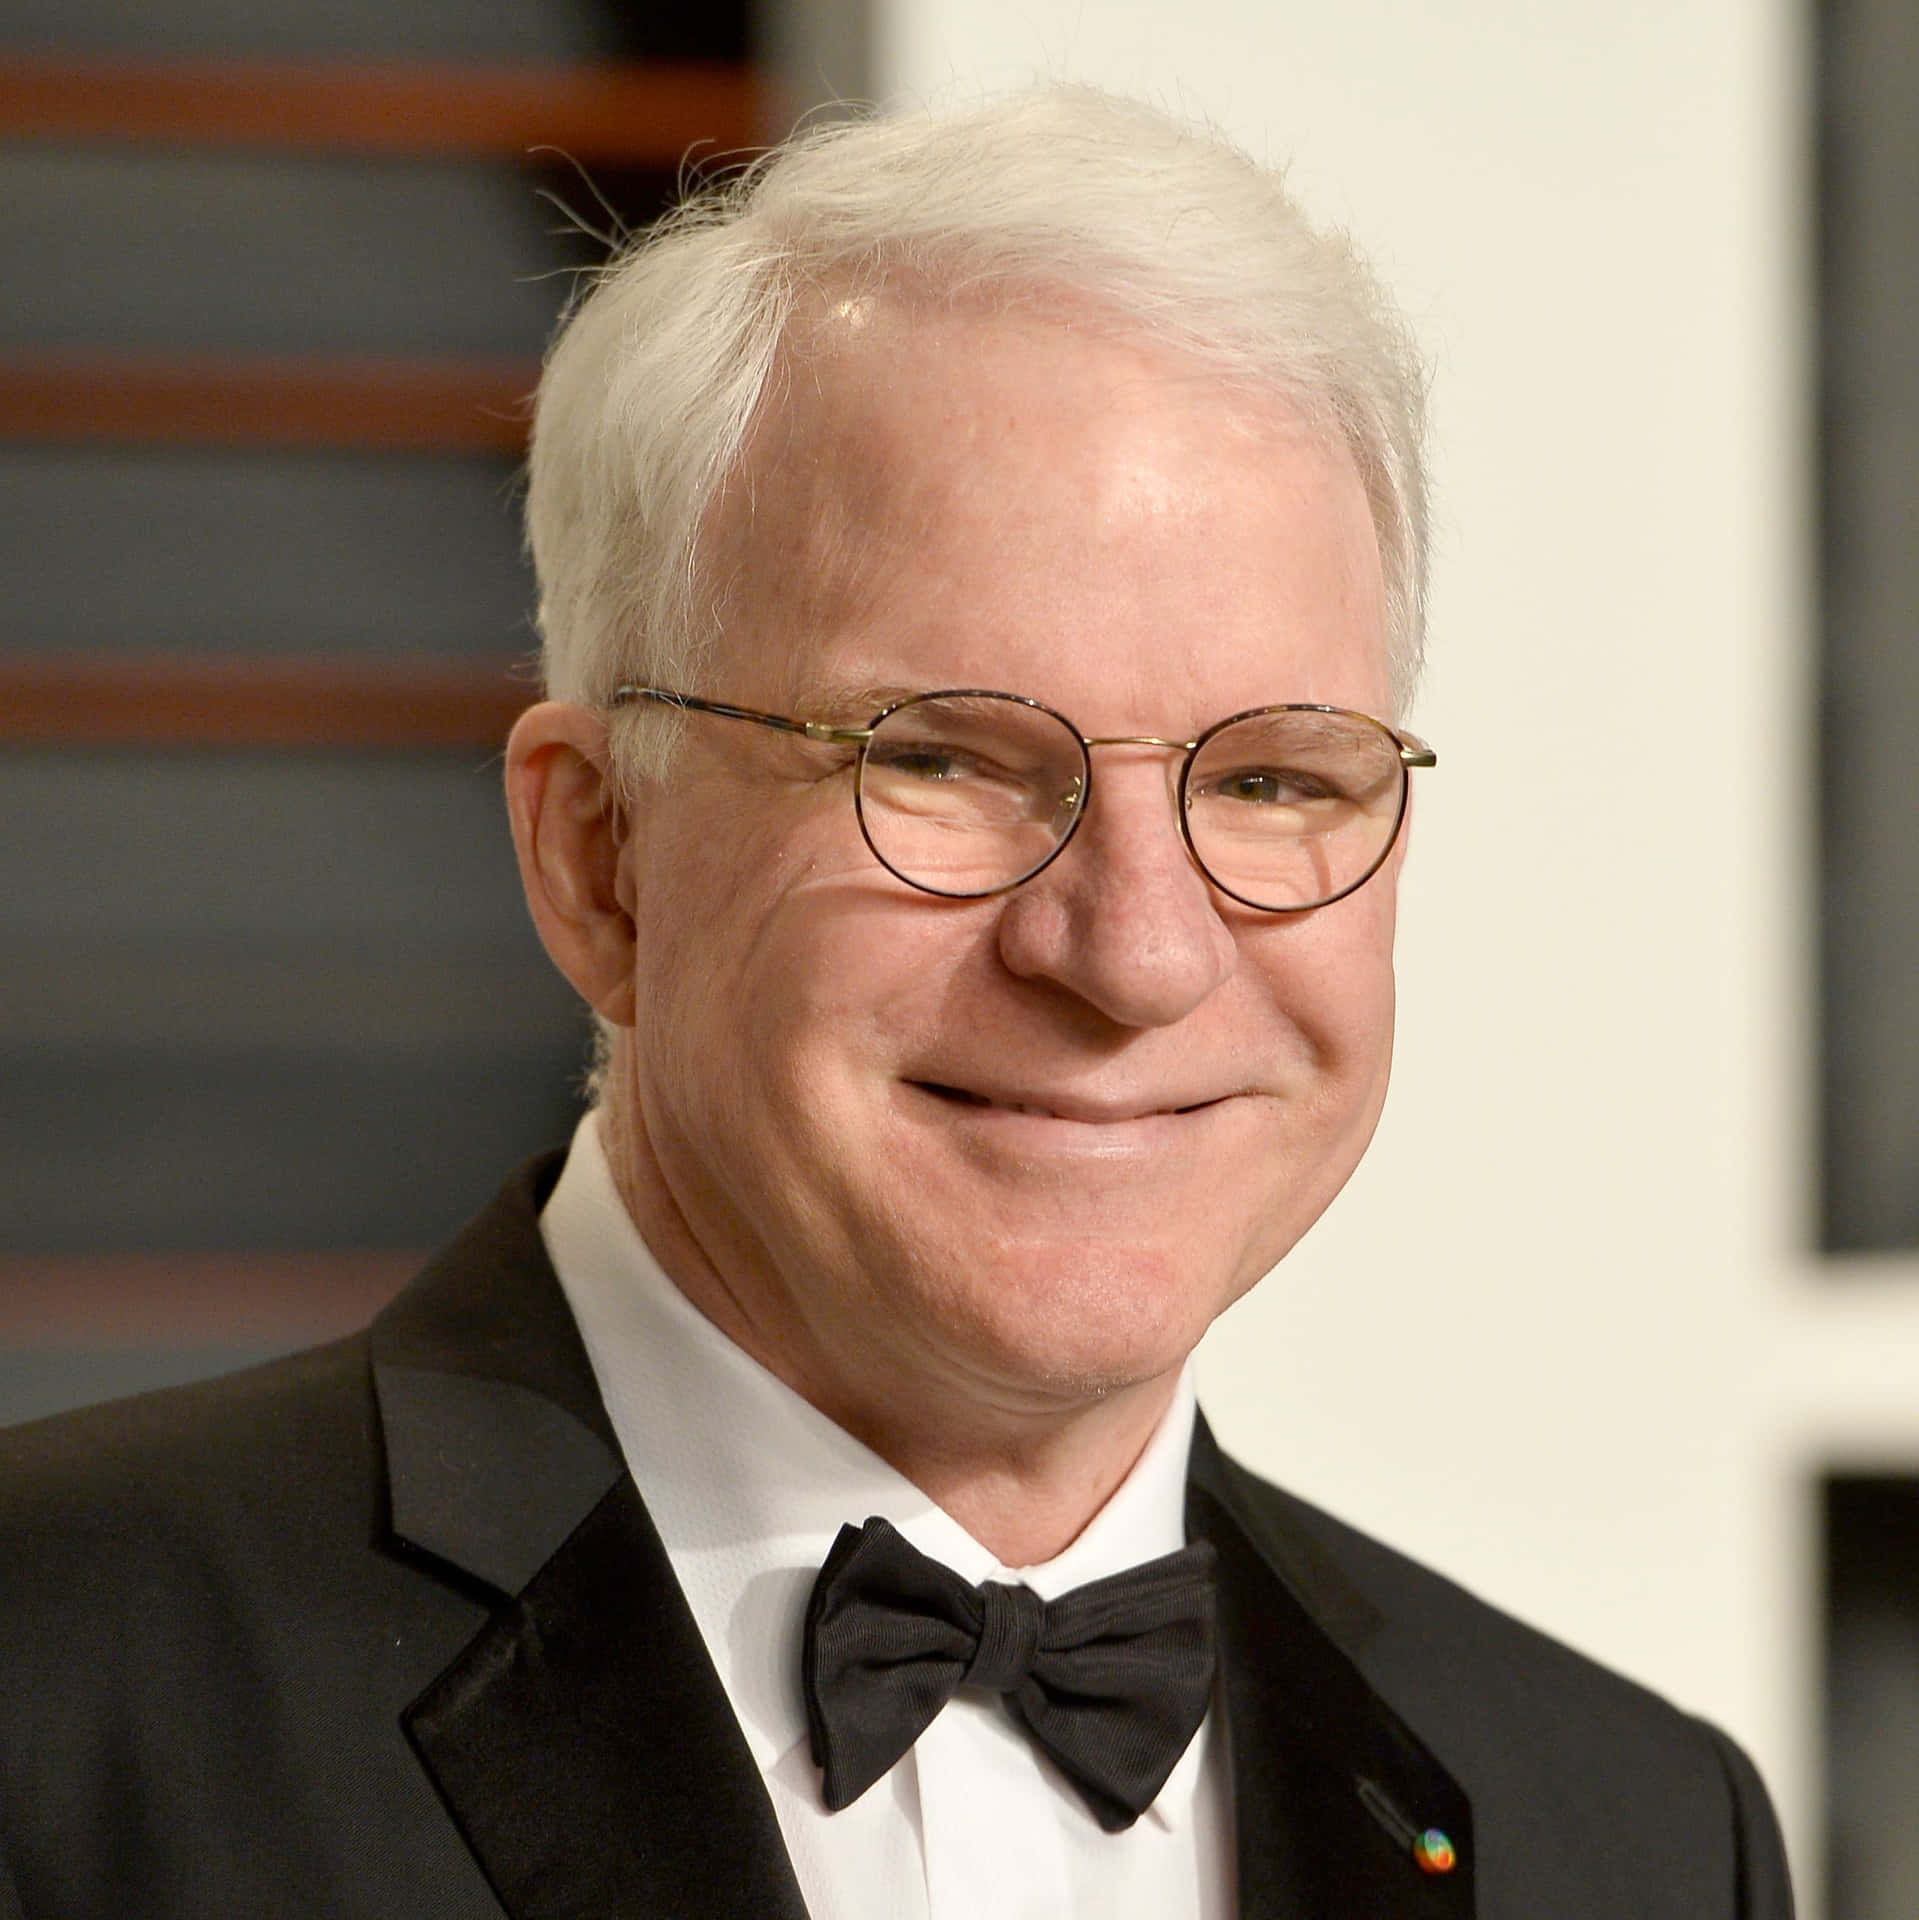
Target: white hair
[(655, 380)]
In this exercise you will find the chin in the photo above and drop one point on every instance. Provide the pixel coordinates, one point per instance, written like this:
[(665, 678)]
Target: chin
[(1065, 1326)]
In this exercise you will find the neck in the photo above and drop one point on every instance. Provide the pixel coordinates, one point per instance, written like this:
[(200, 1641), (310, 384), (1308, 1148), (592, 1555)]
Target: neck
[(1023, 1469), (1026, 1490)]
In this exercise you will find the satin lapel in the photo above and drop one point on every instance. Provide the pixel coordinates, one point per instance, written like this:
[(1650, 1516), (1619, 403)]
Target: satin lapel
[(1331, 1789), (585, 1747), (582, 1741), (497, 1445)]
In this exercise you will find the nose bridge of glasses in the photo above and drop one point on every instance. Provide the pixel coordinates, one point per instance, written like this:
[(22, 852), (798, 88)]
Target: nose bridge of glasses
[(1151, 740), (1132, 740), (1129, 822), (1138, 740)]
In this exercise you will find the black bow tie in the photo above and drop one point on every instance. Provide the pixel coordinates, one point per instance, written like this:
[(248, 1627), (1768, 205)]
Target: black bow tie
[(1111, 1680)]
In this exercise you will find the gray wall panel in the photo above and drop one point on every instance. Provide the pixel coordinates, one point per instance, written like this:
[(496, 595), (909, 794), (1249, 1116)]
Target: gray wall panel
[(264, 1000), (269, 844), (1870, 924), (183, 551), (37, 1381), (414, 996), (241, 253), (145, 1151)]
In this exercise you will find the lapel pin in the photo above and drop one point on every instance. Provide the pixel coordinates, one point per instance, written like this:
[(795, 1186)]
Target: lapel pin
[(1432, 1850)]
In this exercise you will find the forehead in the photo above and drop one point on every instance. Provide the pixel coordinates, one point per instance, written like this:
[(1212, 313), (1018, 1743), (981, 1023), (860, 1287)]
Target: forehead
[(982, 497)]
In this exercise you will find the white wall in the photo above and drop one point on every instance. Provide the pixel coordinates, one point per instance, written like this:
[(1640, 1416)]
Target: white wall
[(1561, 1336)]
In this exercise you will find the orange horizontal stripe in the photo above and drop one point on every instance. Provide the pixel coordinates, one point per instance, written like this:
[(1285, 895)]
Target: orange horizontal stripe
[(452, 406), (626, 114), (224, 702), (185, 1299)]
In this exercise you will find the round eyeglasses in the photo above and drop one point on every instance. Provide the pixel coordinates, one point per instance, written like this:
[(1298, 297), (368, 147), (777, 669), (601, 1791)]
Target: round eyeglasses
[(968, 793)]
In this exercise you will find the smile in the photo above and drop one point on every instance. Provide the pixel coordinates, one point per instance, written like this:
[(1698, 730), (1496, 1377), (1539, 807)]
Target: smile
[(1082, 1113)]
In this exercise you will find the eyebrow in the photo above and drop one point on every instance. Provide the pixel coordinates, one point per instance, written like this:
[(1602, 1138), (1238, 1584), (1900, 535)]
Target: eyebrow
[(851, 702)]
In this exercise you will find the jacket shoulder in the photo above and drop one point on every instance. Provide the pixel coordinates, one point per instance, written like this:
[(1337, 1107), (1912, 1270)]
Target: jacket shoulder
[(220, 1548), (205, 1628), (250, 1457)]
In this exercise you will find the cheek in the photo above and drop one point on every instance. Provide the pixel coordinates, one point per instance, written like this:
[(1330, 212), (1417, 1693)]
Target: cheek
[(1328, 991), (783, 990), (697, 920), (844, 982), (1329, 999)]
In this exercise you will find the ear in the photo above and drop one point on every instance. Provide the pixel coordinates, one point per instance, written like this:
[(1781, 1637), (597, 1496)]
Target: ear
[(568, 831)]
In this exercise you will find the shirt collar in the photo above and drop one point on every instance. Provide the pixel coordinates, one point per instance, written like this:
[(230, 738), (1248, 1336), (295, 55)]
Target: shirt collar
[(749, 1484)]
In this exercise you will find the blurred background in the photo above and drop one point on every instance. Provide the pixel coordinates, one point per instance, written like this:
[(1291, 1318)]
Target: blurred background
[(1619, 1322)]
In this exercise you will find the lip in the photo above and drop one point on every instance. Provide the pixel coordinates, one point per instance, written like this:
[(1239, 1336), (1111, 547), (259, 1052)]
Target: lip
[(1076, 1109)]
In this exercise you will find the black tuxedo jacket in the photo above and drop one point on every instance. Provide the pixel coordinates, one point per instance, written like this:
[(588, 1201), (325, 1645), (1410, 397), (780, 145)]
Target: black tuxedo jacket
[(383, 1632)]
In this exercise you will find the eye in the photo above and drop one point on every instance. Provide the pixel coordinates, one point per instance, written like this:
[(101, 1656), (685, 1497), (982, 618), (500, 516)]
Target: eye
[(930, 763), (1268, 787)]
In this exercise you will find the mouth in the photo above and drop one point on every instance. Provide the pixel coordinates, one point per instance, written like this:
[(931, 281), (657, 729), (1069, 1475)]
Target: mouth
[(1084, 1112)]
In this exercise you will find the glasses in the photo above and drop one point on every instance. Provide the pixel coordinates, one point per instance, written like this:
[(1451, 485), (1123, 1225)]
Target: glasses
[(967, 793)]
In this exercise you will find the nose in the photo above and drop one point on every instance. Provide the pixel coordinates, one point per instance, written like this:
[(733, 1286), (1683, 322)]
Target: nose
[(1122, 918)]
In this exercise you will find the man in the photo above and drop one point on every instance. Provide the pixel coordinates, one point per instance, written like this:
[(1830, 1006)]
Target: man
[(982, 565)]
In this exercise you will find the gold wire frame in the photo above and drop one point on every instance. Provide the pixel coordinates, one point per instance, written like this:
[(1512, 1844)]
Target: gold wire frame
[(1413, 753)]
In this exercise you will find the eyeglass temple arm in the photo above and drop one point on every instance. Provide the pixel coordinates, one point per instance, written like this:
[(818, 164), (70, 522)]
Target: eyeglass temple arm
[(812, 729), (1413, 751)]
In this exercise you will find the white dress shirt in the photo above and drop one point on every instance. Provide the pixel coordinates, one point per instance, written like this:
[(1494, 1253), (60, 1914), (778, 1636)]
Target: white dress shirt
[(748, 1485)]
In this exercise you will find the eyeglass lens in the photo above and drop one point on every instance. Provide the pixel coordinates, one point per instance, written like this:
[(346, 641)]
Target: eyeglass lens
[(968, 794)]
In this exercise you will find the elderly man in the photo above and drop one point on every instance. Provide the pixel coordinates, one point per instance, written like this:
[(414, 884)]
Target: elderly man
[(982, 565)]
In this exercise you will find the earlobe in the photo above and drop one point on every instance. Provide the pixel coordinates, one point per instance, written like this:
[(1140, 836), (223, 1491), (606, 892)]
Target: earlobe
[(568, 832)]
